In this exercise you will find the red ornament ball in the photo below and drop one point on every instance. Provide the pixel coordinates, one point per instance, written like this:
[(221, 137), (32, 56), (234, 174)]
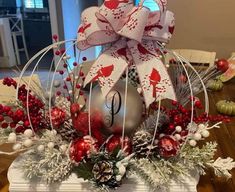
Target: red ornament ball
[(168, 147), (81, 148), (57, 116), (116, 142), (222, 65)]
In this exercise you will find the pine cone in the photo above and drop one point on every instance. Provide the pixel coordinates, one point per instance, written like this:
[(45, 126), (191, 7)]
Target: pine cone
[(103, 171), (67, 132), (142, 141)]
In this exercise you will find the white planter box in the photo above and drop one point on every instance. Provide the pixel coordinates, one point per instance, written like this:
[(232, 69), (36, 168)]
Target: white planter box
[(73, 184)]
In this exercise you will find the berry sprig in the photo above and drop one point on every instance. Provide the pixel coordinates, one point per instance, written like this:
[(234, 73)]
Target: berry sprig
[(18, 118)]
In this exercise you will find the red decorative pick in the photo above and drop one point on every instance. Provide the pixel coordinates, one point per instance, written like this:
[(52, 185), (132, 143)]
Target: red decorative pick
[(154, 78), (82, 29), (113, 4), (104, 72)]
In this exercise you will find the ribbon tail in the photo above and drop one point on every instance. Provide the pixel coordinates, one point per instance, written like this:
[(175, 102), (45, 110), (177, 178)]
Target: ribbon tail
[(154, 78), (108, 68)]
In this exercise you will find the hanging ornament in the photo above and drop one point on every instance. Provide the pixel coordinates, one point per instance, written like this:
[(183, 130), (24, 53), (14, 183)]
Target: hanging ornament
[(81, 148), (222, 65), (116, 142), (168, 146), (112, 108), (57, 116), (80, 121)]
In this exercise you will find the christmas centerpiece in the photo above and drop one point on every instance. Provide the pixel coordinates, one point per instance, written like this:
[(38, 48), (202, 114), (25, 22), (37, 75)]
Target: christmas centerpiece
[(132, 114)]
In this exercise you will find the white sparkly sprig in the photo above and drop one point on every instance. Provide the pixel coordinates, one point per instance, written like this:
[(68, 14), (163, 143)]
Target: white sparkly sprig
[(222, 167)]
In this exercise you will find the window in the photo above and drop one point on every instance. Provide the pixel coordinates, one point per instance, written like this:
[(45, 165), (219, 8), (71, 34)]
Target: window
[(151, 4), (32, 4)]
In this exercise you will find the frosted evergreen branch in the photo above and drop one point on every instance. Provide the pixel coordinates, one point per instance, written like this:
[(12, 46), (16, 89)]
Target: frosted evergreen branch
[(222, 167)]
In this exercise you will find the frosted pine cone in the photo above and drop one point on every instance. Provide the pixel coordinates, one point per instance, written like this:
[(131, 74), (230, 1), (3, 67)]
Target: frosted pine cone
[(103, 171), (142, 141), (67, 132)]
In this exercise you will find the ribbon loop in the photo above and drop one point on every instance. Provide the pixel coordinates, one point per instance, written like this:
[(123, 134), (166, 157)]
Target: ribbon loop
[(133, 31)]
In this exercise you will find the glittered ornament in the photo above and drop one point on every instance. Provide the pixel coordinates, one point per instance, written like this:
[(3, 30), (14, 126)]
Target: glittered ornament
[(111, 108), (80, 121), (81, 148), (57, 116), (222, 65), (116, 141), (168, 146)]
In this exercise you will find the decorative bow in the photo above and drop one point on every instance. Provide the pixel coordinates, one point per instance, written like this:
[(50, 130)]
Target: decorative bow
[(133, 32)]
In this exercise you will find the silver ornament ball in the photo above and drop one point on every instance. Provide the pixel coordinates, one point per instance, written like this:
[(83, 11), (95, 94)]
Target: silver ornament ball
[(111, 108)]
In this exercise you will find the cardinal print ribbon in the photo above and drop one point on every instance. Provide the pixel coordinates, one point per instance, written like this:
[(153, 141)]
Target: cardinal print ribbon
[(133, 32)]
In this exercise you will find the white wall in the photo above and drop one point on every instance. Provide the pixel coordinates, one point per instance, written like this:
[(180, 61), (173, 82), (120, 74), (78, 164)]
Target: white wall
[(71, 11)]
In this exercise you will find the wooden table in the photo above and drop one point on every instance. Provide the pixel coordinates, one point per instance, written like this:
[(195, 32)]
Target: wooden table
[(225, 137)]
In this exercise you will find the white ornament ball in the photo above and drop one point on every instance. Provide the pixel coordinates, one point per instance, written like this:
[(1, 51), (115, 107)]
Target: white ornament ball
[(205, 133), (161, 135), (28, 133), (63, 148), (201, 126), (28, 143), (177, 136), (17, 147), (40, 148), (178, 129), (197, 136), (192, 143), (50, 145), (12, 138)]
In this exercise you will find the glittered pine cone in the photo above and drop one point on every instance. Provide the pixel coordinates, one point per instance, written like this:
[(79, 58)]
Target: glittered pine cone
[(142, 143), (103, 171)]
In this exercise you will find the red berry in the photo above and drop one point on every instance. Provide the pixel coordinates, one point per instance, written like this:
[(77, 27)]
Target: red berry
[(20, 129), (58, 93), (57, 52), (55, 37), (4, 125), (174, 103), (84, 58), (198, 104), (1, 118), (6, 109), (12, 125), (26, 123), (61, 72), (65, 65), (78, 86), (81, 74), (75, 64), (68, 79)]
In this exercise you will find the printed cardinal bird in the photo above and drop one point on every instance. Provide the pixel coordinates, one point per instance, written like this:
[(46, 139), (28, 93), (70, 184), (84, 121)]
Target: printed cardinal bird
[(114, 4), (82, 29), (154, 78), (104, 72), (143, 50), (122, 52)]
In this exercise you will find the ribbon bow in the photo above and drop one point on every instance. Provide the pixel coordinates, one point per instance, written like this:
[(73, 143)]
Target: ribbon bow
[(133, 32)]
